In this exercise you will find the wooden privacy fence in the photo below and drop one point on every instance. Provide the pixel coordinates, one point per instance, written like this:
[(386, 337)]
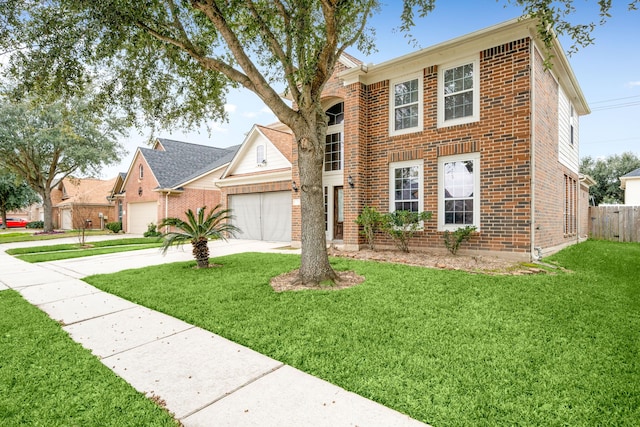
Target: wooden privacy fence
[(620, 223)]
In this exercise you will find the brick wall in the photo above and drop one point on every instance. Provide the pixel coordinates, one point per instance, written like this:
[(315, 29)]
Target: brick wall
[(502, 137), (174, 205), (549, 172), (147, 183)]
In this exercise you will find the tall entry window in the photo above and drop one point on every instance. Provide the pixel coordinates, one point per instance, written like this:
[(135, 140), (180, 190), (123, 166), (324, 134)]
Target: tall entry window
[(333, 149)]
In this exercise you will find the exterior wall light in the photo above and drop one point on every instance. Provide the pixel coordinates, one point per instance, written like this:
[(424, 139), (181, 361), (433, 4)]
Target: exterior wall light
[(294, 186), (350, 181)]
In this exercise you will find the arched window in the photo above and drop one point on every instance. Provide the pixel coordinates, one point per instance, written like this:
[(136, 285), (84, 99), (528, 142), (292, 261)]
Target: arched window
[(140, 172), (333, 142)]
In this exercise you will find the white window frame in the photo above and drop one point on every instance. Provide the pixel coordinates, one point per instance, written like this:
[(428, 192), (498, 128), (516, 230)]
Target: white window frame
[(405, 164), (262, 161), (475, 157), (475, 61), (392, 106)]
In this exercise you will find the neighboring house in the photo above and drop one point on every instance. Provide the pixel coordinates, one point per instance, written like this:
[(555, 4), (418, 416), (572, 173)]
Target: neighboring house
[(168, 179), (81, 202), (257, 184), (475, 130), (31, 213), (117, 196), (630, 183)]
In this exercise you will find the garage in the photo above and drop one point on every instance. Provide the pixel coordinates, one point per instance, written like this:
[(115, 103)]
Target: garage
[(262, 216), (140, 215)]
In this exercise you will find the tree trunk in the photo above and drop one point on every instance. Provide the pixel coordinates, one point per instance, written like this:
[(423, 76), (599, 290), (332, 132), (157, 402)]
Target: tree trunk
[(48, 210), (201, 252), (314, 262)]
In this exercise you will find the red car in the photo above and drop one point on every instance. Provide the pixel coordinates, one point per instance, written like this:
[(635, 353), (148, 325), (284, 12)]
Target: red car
[(14, 223)]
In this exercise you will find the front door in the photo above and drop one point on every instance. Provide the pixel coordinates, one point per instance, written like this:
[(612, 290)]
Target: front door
[(338, 212)]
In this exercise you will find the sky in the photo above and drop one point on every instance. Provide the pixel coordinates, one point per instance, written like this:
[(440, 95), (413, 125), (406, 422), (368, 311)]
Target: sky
[(608, 73)]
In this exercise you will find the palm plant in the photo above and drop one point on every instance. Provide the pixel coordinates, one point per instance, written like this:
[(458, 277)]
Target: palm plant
[(198, 229)]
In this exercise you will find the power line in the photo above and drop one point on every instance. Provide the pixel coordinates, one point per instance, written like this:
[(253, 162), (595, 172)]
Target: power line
[(615, 99), (615, 106)]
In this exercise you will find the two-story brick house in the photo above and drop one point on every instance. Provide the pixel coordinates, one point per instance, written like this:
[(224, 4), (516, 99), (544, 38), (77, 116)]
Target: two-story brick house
[(476, 130)]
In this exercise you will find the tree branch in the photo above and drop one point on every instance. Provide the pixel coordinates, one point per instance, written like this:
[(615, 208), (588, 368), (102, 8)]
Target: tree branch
[(253, 80)]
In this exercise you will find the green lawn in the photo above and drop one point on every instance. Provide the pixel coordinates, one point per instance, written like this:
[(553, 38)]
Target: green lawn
[(11, 236), (74, 250), (46, 379), (445, 347)]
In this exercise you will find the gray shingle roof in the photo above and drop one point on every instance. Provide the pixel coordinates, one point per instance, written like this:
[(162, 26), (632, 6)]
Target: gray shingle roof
[(632, 173), (183, 161)]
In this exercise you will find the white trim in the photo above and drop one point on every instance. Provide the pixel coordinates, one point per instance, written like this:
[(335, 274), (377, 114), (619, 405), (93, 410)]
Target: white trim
[(284, 175), (475, 61), (392, 107), (408, 163), (476, 190)]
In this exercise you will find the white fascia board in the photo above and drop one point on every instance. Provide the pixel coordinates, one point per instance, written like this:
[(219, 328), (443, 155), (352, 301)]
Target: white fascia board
[(283, 175), (442, 52)]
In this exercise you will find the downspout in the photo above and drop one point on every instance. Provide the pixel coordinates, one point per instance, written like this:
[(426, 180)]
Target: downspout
[(534, 256)]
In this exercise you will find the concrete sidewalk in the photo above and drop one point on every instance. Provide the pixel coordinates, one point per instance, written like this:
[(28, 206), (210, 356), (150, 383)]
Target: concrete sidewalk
[(204, 379)]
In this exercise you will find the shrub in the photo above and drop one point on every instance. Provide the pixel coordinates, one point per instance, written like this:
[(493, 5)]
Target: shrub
[(35, 224), (453, 239), (152, 231), (402, 225), (370, 220), (114, 227)]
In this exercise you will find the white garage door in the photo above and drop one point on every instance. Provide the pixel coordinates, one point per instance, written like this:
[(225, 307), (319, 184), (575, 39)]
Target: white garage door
[(262, 216), (139, 215), (66, 219)]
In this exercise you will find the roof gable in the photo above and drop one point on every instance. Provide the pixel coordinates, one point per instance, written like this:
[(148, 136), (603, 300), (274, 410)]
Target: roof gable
[(278, 152), (86, 190), (173, 163)]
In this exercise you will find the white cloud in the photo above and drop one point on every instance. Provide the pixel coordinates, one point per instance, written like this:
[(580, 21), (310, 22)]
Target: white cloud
[(230, 108), (632, 84)]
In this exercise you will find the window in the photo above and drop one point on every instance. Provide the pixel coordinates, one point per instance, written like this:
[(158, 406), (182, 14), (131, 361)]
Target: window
[(260, 157), (406, 105), (405, 186), (140, 172), (571, 126), (570, 203), (458, 188), (335, 114), (333, 142), (458, 93), (333, 152)]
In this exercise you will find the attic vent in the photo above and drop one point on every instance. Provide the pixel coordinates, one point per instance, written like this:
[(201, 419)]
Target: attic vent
[(507, 47)]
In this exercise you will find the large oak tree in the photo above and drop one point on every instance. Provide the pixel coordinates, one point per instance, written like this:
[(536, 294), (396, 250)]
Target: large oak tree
[(170, 61), (44, 143)]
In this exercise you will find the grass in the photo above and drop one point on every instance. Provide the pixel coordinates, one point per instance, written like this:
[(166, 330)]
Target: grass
[(46, 379), (74, 250), (7, 236), (445, 347)]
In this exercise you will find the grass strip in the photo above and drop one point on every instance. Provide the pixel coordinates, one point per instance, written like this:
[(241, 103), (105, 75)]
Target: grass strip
[(76, 246), (79, 253), (46, 379), (13, 237), (445, 347)]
